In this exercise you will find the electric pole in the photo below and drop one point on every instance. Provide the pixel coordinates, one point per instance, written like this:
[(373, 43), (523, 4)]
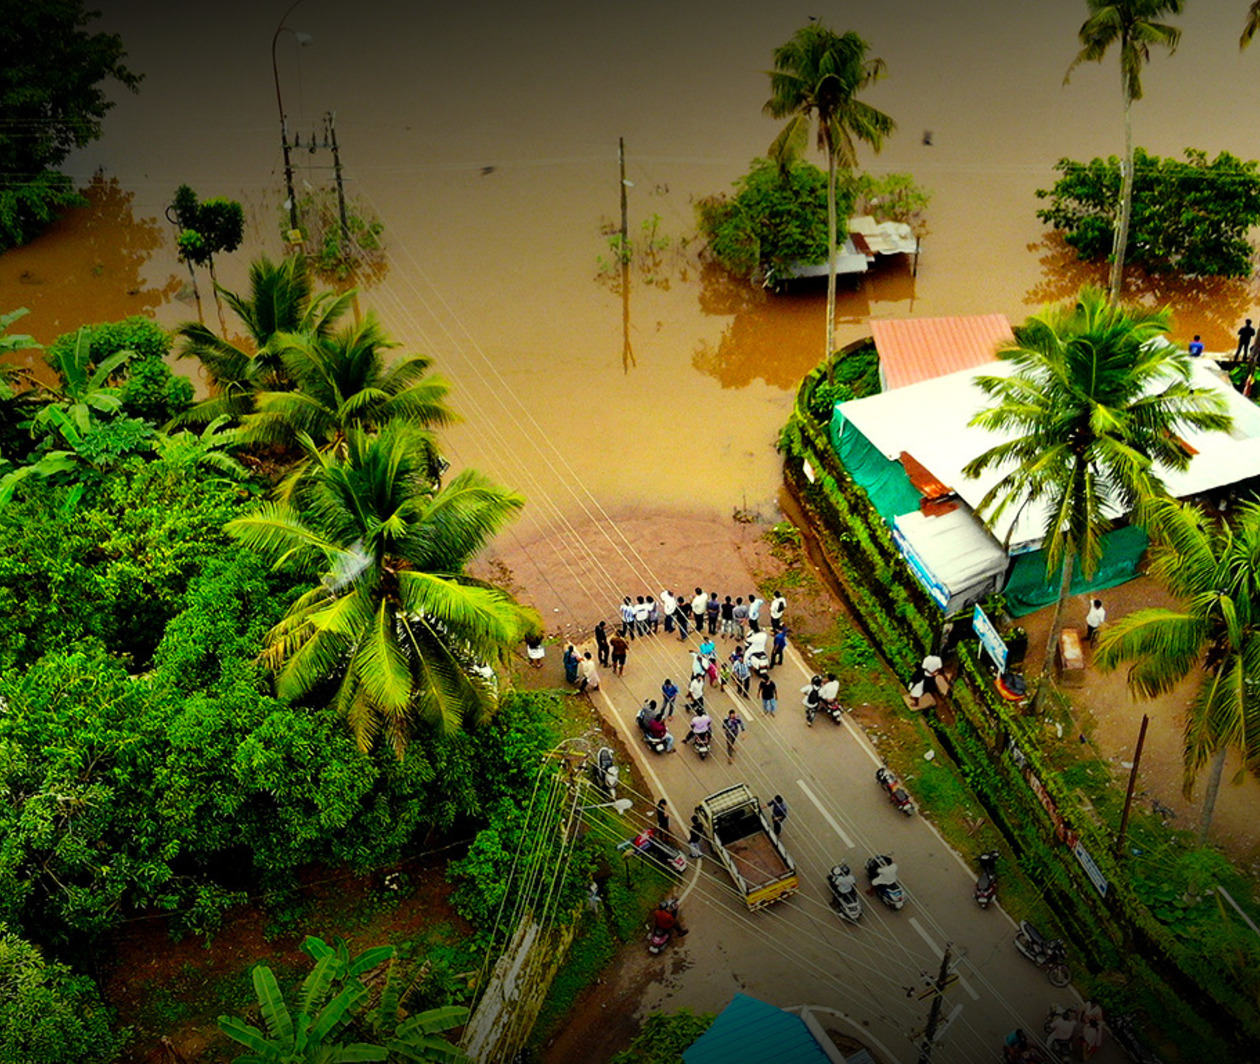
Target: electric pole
[(330, 124), (1128, 794), (943, 979)]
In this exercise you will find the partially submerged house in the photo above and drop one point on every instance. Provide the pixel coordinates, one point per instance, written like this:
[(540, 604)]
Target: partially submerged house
[(907, 447)]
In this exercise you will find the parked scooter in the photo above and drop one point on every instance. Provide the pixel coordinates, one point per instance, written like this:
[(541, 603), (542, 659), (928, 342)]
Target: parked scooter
[(844, 892), (812, 699), (986, 882), (1048, 954), (893, 788), (604, 771), (881, 870)]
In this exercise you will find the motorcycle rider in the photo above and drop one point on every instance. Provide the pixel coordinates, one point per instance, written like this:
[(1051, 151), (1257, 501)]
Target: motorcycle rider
[(1015, 1048), (829, 692), (667, 918), (656, 729), (700, 725), (812, 697)]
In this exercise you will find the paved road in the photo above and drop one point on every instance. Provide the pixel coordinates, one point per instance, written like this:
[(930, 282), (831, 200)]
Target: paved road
[(866, 977)]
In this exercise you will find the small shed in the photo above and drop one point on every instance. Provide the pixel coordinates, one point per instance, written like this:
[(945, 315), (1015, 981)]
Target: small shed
[(953, 556)]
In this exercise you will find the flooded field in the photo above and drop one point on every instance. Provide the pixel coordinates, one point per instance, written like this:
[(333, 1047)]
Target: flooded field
[(485, 138)]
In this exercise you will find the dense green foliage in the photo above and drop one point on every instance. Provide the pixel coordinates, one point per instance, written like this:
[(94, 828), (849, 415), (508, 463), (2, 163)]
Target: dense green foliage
[(49, 1015), (51, 96), (664, 1037), (775, 218), (1191, 217), (891, 198)]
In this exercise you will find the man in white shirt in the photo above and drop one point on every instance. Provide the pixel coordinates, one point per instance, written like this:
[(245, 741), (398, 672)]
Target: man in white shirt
[(627, 618), (668, 605), (641, 613), (1094, 620), (754, 612), (699, 605), (777, 607)]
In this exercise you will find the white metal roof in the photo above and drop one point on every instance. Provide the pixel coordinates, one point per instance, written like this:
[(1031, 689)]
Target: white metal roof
[(955, 546), (929, 420)]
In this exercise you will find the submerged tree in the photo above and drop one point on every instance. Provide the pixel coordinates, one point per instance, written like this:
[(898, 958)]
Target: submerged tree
[(1132, 25), (817, 75), (1091, 410), (395, 634)]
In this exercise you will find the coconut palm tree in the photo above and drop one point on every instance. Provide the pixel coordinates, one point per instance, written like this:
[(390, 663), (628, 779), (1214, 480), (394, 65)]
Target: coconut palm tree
[(1213, 571), (340, 383), (280, 303), (1132, 25), (1090, 412), (395, 633), (818, 75), (1251, 25)]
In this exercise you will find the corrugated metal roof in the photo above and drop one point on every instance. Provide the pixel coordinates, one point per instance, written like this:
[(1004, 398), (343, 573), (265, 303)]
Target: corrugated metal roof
[(918, 349), (749, 1031)]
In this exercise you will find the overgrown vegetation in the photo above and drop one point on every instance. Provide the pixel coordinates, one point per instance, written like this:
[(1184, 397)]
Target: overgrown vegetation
[(1192, 217)]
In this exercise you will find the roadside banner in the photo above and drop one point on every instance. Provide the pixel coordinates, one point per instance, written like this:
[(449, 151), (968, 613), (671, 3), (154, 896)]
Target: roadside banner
[(993, 643)]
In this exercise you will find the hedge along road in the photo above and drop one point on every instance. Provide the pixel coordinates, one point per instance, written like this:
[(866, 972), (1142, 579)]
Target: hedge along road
[(799, 951)]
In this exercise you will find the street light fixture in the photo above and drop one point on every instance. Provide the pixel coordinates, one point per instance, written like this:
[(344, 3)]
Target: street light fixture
[(621, 805), (303, 39)]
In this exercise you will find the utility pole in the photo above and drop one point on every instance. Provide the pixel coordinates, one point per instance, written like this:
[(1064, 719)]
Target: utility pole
[(625, 226), (943, 979), (330, 125), (1128, 794)]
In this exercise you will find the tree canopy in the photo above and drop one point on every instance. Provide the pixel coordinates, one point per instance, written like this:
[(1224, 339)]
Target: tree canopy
[(52, 97), (1192, 217)]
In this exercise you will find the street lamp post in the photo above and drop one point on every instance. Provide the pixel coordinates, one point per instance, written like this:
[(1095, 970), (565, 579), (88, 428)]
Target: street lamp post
[(302, 39)]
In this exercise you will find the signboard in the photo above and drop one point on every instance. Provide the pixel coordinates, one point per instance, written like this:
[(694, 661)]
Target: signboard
[(938, 591), (989, 638), (1091, 869)]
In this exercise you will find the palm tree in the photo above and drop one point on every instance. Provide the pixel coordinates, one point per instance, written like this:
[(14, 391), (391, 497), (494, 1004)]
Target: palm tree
[(280, 303), (819, 73), (395, 633), (340, 383), (1251, 25), (1091, 413), (1130, 24), (1213, 570)]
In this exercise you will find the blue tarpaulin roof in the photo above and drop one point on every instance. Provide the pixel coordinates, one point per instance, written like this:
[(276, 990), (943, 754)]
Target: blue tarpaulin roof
[(749, 1031)]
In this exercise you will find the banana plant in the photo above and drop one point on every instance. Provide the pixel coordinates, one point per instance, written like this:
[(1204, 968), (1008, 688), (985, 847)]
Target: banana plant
[(85, 390)]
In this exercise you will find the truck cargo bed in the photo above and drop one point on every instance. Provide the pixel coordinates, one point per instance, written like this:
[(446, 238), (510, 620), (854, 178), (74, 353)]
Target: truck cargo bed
[(756, 860)]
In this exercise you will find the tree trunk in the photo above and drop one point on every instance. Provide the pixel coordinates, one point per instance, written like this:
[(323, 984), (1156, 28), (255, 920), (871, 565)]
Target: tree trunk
[(1209, 795), (1121, 240), (196, 291), (831, 260), (1052, 640), (218, 306)]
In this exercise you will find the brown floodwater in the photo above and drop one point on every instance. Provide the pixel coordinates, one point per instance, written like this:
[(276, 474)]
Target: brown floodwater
[(485, 137)]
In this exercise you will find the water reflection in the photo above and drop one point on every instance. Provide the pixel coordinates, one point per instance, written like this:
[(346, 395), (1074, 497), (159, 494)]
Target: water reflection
[(1213, 307), (778, 337), (89, 266)]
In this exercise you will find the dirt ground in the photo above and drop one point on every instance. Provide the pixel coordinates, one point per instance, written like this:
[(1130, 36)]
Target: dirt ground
[(1111, 717)]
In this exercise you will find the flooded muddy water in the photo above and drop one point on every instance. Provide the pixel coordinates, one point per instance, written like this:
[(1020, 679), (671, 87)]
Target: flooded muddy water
[(485, 137)]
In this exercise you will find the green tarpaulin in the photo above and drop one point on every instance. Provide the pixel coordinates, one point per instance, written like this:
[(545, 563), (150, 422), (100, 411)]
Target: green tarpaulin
[(1028, 589), (883, 479)]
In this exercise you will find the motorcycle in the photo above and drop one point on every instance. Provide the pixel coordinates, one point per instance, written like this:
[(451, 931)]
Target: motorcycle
[(833, 709), (986, 883), (701, 744), (896, 793), (604, 772), (657, 744), (758, 664), (658, 936), (881, 870), (652, 845), (844, 893), (1060, 1028), (1048, 954), (812, 699)]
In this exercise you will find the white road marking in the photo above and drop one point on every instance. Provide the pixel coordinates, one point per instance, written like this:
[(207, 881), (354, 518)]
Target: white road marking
[(940, 952), (826, 816)]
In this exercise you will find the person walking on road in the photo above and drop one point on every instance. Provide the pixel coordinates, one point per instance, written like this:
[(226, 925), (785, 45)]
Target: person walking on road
[(662, 817), (627, 617), (619, 647), (778, 606), (732, 726), (754, 612), (642, 612), (769, 695), (778, 813), (699, 610), (712, 610), (728, 618), (668, 605), (695, 692), (742, 674), (778, 646), (740, 616), (601, 642), (654, 615), (682, 615), (669, 693), (588, 678), (694, 837), (570, 664)]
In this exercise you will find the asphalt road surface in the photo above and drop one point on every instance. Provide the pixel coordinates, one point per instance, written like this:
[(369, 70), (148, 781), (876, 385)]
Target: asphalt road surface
[(866, 979)]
